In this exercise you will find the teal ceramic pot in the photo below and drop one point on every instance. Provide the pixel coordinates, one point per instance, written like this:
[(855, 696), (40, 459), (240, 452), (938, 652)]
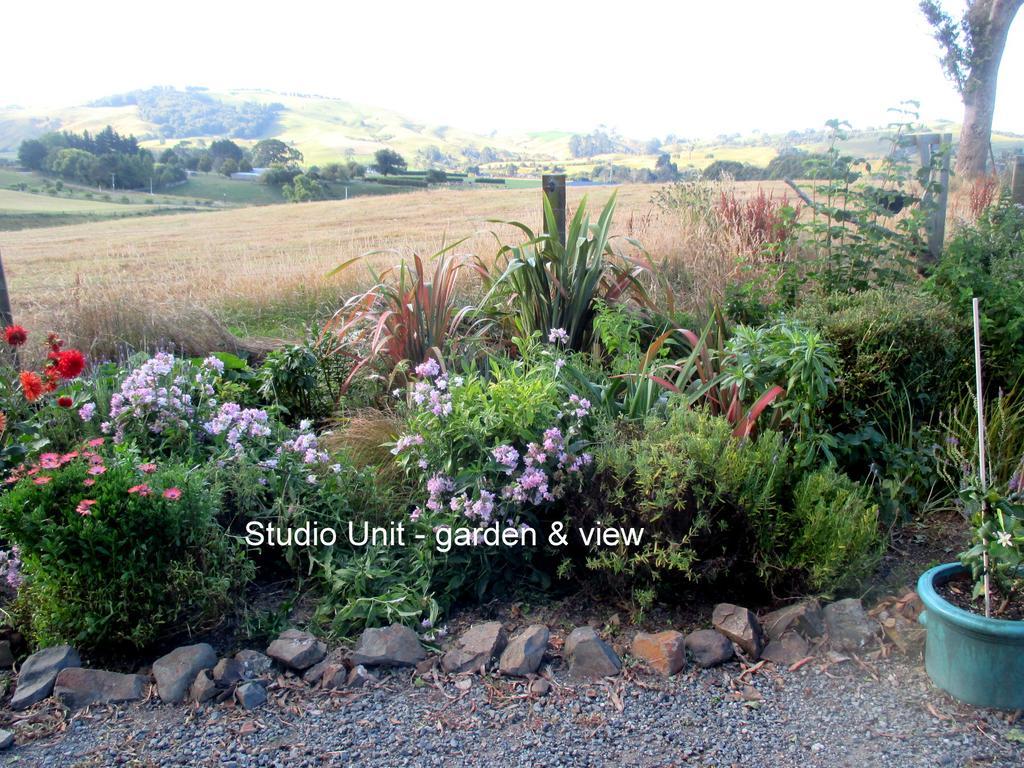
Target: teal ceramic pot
[(979, 661)]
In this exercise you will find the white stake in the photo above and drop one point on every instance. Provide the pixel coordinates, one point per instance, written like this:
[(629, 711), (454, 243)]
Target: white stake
[(982, 470)]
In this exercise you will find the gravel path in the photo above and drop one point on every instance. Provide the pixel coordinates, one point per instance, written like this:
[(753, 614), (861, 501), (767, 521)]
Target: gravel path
[(842, 715)]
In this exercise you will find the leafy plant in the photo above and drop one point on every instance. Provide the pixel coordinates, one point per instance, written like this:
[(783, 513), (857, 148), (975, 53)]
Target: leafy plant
[(544, 285), (407, 315)]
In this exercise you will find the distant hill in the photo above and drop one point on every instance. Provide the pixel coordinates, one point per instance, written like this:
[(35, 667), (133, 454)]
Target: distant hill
[(327, 129)]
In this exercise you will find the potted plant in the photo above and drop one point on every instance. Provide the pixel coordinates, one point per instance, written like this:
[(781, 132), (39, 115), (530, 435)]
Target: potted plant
[(974, 609)]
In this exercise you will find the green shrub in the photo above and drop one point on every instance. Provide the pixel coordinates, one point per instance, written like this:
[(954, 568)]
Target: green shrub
[(117, 553), (890, 342), (707, 501), (835, 531), (985, 261)]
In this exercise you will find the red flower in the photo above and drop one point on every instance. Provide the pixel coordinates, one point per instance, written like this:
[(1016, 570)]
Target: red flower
[(15, 335), (31, 385), (65, 402), (70, 363), (42, 480), (142, 489), (172, 493)]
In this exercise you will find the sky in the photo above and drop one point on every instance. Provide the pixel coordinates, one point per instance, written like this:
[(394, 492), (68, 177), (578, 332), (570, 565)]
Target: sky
[(646, 69)]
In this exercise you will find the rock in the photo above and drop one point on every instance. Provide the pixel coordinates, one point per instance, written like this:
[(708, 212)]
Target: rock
[(741, 626), (524, 652), (334, 676), (394, 646), (589, 656), (315, 674), (176, 671), (540, 687), (203, 687), (849, 627), (424, 667), (296, 649), (787, 650), (358, 677), (39, 673), (6, 739), (228, 672), (251, 695), (77, 687), (709, 648), (476, 649), (664, 652), (254, 664), (6, 655), (804, 617)]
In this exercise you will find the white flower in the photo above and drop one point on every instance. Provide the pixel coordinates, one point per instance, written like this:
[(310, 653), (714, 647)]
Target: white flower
[(1004, 539)]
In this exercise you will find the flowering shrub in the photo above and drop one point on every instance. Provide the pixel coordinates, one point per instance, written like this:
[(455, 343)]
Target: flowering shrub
[(489, 449), (115, 550)]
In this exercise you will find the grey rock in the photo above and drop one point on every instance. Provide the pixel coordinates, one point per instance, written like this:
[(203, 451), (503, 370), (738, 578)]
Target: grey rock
[(589, 656), (540, 687), (228, 672), (804, 617), (476, 649), (787, 650), (709, 648), (296, 649), (251, 695), (254, 664), (315, 674), (359, 677), (394, 646), (39, 673), (6, 739), (524, 652), (77, 687), (203, 687), (849, 627), (334, 676), (664, 652), (176, 671), (741, 626)]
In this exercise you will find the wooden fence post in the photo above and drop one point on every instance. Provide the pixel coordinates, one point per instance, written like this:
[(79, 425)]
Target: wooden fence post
[(928, 145), (553, 185), (1017, 180)]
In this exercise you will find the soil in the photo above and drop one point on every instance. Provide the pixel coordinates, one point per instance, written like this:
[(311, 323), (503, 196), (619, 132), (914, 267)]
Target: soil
[(958, 591)]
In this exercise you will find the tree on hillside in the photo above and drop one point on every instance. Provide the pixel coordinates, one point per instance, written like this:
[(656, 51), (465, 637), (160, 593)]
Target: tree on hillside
[(387, 161), (31, 154), (971, 52), (274, 152), (225, 149), (228, 167)]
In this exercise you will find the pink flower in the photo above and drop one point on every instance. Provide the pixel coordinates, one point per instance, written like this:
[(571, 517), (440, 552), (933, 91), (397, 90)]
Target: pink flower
[(89, 481), (172, 493), (96, 469), (84, 507), (96, 442), (42, 480), (148, 469), (142, 489), (49, 461)]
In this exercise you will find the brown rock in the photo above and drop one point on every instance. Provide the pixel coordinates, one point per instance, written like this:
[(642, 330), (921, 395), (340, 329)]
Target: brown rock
[(315, 674), (709, 648), (228, 672), (476, 649), (77, 687), (741, 626), (359, 676), (664, 652), (787, 650), (804, 617), (524, 652), (334, 676), (254, 663), (176, 671), (203, 687), (540, 687)]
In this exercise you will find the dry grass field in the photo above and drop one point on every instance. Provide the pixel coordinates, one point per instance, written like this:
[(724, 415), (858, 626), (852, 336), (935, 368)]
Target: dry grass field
[(263, 270)]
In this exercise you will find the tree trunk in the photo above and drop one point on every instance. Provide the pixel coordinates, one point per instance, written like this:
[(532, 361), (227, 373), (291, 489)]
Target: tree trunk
[(989, 22)]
